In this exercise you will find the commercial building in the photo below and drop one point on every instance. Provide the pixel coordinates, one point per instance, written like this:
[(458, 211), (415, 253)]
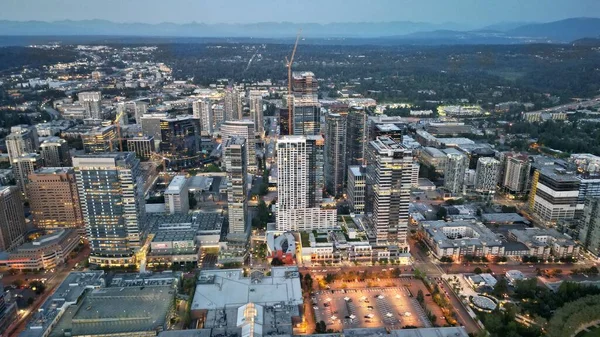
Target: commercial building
[(12, 218), (100, 139), (486, 175), (55, 152), (8, 311), (554, 194), (454, 173), (256, 112), (135, 108), (202, 109), (543, 243), (225, 300), (357, 136), (151, 126), (111, 197), (173, 244), (457, 239), (23, 166), (388, 183), (22, 139), (356, 189), (143, 146), (54, 199), (300, 184), (306, 110), (180, 141), (589, 226), (45, 252), (177, 195), (91, 101), (244, 129), (335, 153), (516, 173), (430, 156), (234, 157)]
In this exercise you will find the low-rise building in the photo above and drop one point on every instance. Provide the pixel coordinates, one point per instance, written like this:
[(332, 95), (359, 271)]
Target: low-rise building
[(543, 243), (457, 239), (45, 252)]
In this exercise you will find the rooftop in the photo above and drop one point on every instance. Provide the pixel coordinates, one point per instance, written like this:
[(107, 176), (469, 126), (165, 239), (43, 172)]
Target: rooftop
[(431, 332), (503, 217), (218, 289), (473, 233), (53, 170), (177, 184)]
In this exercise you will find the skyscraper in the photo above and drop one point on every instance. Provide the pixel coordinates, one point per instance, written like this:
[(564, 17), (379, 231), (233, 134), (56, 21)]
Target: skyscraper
[(244, 129), (589, 226), (180, 141), (356, 136), (202, 109), (335, 153), (54, 199), (256, 112), (454, 173), (21, 140), (12, 218), (486, 175), (554, 194), (300, 185), (388, 180), (112, 201), (143, 146), (23, 166), (306, 110), (233, 105), (234, 156), (516, 173), (91, 100), (55, 152), (356, 189)]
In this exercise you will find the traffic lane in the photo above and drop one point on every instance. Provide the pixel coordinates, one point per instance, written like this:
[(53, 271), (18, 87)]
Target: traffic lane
[(463, 316)]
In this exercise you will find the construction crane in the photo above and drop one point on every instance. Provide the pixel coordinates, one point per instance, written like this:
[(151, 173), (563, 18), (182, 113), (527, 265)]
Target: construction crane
[(117, 121), (288, 64)]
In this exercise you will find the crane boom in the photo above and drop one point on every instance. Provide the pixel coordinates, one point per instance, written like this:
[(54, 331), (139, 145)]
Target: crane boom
[(289, 66)]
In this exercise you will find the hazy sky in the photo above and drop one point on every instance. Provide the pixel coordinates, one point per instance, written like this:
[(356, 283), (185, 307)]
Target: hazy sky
[(321, 11)]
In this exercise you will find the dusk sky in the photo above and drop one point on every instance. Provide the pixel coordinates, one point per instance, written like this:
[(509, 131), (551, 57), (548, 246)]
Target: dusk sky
[(470, 12)]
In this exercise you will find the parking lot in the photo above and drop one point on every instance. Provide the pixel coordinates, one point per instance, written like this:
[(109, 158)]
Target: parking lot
[(390, 307)]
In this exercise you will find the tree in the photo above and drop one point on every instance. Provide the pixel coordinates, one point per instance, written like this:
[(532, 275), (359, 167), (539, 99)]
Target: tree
[(442, 213), (329, 278), (192, 200), (500, 288), (478, 271), (420, 296)]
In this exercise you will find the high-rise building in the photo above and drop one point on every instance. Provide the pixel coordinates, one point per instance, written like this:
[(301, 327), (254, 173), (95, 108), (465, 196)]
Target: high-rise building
[(218, 115), (388, 180), (233, 105), (100, 139), (21, 140), (139, 109), (180, 141), (335, 153), (54, 199), (516, 173), (256, 112), (91, 100), (234, 156), (356, 136), (151, 126), (12, 218), (486, 175), (306, 109), (454, 173), (202, 109), (177, 195), (23, 166), (111, 196), (356, 189), (8, 311), (589, 226), (554, 194), (55, 152), (244, 129), (300, 185), (143, 146)]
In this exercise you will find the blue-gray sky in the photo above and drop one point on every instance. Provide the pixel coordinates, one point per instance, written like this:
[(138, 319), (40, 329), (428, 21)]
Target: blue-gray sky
[(476, 12)]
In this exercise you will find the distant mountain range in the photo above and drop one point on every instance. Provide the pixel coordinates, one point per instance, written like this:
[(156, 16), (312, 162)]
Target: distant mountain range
[(401, 31)]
